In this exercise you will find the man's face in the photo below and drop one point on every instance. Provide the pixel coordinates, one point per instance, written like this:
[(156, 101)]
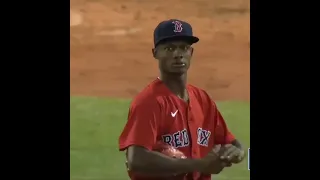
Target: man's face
[(174, 56)]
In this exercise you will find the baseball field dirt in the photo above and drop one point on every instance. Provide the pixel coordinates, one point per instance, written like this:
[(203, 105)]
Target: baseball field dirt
[(111, 41)]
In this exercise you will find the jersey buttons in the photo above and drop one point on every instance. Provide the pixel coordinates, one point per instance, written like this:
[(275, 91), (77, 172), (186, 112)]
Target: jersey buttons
[(194, 153)]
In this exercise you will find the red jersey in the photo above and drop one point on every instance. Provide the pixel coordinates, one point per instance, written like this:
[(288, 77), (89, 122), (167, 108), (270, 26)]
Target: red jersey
[(158, 114)]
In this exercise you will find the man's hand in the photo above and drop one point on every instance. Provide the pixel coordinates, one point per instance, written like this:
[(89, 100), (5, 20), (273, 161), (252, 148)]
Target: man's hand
[(231, 154), (212, 164)]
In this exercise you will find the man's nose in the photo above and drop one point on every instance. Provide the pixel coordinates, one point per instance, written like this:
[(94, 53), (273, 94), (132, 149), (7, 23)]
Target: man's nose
[(178, 56)]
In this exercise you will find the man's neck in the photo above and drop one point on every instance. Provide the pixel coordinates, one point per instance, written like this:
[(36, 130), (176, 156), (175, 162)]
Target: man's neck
[(176, 83)]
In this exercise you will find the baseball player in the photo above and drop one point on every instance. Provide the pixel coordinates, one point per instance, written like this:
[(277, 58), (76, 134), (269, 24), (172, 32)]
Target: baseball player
[(178, 114)]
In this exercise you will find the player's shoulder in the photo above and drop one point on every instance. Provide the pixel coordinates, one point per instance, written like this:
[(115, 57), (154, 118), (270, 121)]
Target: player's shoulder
[(201, 94), (198, 91), (148, 95)]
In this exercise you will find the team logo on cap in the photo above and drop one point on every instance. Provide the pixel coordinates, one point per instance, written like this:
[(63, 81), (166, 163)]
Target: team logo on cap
[(177, 26)]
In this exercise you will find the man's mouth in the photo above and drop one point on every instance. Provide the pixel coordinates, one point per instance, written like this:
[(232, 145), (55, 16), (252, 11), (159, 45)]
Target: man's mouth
[(178, 64)]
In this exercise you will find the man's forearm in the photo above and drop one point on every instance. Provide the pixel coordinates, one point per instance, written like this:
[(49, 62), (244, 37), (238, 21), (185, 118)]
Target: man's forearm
[(155, 163)]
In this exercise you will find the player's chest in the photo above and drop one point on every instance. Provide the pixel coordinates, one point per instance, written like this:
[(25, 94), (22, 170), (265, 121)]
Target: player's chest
[(182, 122), (179, 115)]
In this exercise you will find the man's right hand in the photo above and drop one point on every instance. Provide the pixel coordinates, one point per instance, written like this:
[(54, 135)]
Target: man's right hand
[(212, 164)]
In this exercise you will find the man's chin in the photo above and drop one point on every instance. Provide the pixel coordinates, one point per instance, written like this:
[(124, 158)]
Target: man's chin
[(178, 73)]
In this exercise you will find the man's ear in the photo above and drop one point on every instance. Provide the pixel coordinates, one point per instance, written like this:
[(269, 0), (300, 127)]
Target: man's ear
[(191, 51), (154, 53)]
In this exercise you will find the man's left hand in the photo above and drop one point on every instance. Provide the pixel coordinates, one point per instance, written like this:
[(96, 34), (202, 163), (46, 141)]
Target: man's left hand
[(232, 154)]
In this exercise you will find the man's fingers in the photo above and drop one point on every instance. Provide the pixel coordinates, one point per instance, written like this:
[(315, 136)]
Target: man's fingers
[(228, 164), (234, 154), (241, 156), (229, 150), (221, 147), (227, 146), (225, 164), (217, 148)]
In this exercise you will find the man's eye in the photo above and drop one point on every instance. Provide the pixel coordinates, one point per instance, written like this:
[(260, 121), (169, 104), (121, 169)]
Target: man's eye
[(168, 48), (186, 47)]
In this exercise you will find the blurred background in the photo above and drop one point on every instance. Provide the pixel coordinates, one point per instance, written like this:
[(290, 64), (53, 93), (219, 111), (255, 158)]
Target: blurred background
[(111, 61), (111, 41)]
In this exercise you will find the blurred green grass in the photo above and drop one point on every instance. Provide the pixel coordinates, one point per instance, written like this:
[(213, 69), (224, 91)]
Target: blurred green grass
[(95, 125)]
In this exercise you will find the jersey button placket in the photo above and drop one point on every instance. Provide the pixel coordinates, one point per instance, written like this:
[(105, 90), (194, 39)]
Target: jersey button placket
[(194, 153), (190, 119)]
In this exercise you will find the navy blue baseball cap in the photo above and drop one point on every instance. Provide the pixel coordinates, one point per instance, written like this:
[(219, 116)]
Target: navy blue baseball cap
[(174, 29)]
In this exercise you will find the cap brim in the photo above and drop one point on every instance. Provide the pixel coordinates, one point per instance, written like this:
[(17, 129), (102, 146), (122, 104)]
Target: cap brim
[(189, 39)]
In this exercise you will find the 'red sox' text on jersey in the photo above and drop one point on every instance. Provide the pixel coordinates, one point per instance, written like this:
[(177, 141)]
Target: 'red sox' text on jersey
[(194, 127)]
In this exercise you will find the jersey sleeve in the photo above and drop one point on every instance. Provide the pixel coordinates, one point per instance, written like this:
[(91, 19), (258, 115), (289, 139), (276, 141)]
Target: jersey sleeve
[(222, 135), (141, 127)]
